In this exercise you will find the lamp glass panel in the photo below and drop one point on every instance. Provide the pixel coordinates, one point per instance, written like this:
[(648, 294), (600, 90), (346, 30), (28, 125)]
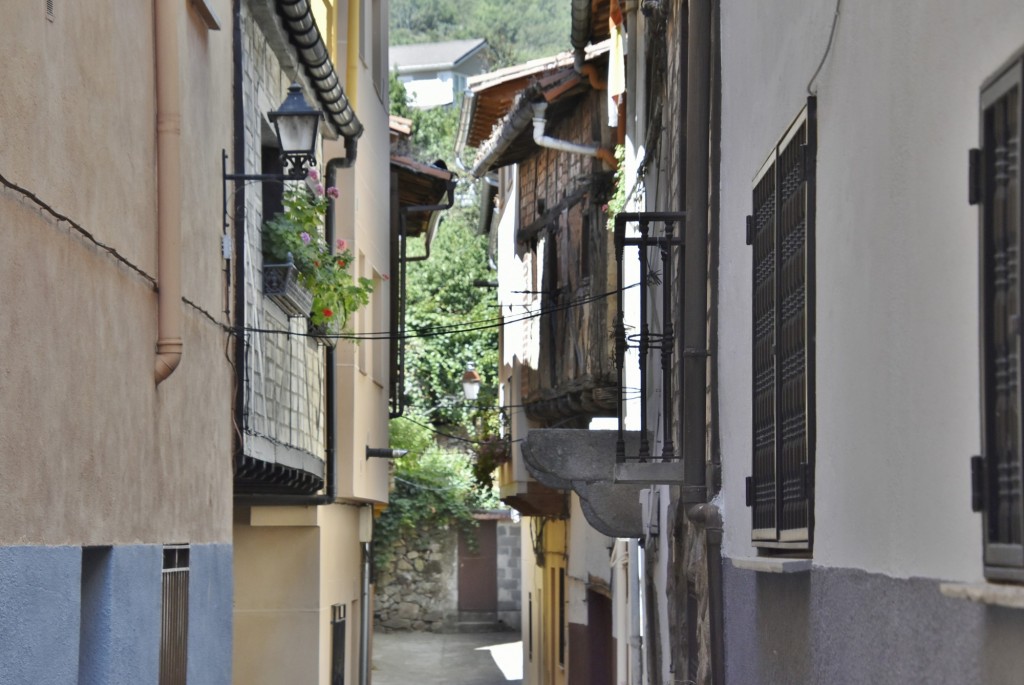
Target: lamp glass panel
[(297, 132)]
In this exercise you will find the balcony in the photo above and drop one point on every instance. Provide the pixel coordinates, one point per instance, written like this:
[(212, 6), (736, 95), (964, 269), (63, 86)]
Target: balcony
[(584, 461), (285, 416)]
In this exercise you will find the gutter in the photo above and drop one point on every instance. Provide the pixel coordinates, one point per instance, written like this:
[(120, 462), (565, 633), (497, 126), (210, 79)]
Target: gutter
[(434, 222), (169, 344), (540, 123)]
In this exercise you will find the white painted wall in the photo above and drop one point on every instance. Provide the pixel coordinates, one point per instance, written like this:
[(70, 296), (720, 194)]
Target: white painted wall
[(897, 314)]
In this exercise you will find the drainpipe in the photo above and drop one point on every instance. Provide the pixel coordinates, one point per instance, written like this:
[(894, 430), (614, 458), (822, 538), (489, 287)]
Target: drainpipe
[(168, 152), (695, 152), (238, 159), (635, 636), (580, 32), (539, 124), (620, 564), (434, 221), (364, 619)]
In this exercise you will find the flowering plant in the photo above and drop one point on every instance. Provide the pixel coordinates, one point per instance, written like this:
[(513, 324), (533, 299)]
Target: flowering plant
[(296, 235)]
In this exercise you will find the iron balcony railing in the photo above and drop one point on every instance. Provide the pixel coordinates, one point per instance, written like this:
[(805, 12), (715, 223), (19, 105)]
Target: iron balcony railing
[(658, 243)]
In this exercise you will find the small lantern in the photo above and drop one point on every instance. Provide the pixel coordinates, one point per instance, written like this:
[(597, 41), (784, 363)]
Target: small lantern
[(296, 125), (471, 382)]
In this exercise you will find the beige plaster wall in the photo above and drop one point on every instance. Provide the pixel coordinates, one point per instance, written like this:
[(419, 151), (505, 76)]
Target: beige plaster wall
[(92, 450), (277, 607), (362, 219)]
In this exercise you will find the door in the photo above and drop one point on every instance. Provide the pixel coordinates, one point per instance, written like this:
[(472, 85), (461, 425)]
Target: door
[(478, 569)]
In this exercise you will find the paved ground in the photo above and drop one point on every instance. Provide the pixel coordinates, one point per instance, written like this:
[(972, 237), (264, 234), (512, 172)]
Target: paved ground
[(448, 659)]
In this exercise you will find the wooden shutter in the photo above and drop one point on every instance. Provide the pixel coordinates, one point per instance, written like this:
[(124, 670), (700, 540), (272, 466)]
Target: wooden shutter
[(781, 232), (1001, 497)]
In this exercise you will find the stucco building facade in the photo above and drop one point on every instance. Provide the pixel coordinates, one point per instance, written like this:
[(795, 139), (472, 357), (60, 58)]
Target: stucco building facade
[(115, 446)]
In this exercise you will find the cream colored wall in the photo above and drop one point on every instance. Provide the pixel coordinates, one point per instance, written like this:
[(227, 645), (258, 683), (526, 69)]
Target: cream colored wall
[(277, 604), (363, 219), (92, 450), (340, 583)]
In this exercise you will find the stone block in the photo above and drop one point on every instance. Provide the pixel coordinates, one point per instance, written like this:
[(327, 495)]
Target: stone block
[(408, 610)]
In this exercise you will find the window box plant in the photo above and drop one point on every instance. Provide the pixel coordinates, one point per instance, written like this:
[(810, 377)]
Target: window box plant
[(295, 238)]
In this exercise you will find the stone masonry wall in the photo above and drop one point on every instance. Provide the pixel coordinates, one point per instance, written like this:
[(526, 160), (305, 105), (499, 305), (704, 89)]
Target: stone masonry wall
[(419, 588), (509, 573)]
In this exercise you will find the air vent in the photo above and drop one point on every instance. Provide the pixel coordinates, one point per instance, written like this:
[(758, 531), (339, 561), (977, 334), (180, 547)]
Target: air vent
[(49, 10)]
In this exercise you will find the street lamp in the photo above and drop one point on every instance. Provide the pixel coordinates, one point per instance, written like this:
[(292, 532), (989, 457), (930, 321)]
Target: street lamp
[(296, 124), (471, 382)]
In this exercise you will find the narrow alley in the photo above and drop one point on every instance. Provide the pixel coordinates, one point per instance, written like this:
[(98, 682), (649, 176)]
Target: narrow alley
[(417, 658)]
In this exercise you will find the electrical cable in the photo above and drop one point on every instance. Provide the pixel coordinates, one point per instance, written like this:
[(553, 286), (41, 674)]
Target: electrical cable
[(828, 49), (448, 329)]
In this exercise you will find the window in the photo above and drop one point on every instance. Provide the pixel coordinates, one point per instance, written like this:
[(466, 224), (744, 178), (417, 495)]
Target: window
[(996, 187), (338, 644), (781, 230), (174, 616)]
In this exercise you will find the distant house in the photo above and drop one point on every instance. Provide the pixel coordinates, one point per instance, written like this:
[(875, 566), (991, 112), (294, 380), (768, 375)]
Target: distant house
[(434, 73)]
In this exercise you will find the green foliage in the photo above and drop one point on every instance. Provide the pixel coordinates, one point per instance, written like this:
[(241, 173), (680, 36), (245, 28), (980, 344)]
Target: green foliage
[(441, 294), (617, 202), (297, 232), (515, 30), (434, 489)]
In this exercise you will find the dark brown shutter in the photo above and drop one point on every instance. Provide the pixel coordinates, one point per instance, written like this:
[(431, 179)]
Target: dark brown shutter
[(1001, 340), (763, 486), (781, 232)]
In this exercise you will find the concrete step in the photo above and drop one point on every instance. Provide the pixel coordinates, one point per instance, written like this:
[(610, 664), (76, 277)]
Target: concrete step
[(480, 627)]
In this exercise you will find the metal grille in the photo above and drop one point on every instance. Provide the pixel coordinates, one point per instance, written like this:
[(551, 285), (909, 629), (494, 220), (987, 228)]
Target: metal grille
[(285, 392), (174, 616), (782, 388), (49, 10), (658, 248), (1001, 344)]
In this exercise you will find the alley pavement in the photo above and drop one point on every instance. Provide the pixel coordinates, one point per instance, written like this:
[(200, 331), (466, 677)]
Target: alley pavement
[(407, 658)]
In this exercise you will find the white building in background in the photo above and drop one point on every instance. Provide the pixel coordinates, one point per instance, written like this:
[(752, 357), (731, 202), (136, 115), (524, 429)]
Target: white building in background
[(435, 73)]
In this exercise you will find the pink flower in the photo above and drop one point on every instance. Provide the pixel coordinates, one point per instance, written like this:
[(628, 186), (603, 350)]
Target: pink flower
[(314, 175), (385, 277), (333, 193), (341, 245), (305, 237), (319, 189)]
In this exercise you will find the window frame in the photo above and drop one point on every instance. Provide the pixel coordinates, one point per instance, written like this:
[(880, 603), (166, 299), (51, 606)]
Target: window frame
[(775, 488), (1002, 560)]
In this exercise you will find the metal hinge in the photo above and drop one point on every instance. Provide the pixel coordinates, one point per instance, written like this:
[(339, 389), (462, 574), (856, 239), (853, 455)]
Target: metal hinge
[(750, 230), (975, 163), (977, 483), (750, 491)]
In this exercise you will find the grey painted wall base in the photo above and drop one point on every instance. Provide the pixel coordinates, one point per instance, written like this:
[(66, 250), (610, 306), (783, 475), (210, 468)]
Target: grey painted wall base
[(92, 616), (840, 626)]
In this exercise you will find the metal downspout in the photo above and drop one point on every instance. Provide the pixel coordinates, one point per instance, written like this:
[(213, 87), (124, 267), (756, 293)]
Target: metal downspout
[(238, 159), (540, 123), (695, 269), (364, 619), (168, 152), (580, 32), (432, 230), (636, 662)]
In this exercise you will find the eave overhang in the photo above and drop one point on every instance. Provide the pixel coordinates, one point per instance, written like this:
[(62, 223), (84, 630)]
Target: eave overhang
[(497, 111), (292, 34), (419, 185)]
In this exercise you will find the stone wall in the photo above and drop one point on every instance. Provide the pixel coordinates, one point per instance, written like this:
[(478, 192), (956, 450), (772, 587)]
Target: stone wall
[(419, 588), (509, 573)]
